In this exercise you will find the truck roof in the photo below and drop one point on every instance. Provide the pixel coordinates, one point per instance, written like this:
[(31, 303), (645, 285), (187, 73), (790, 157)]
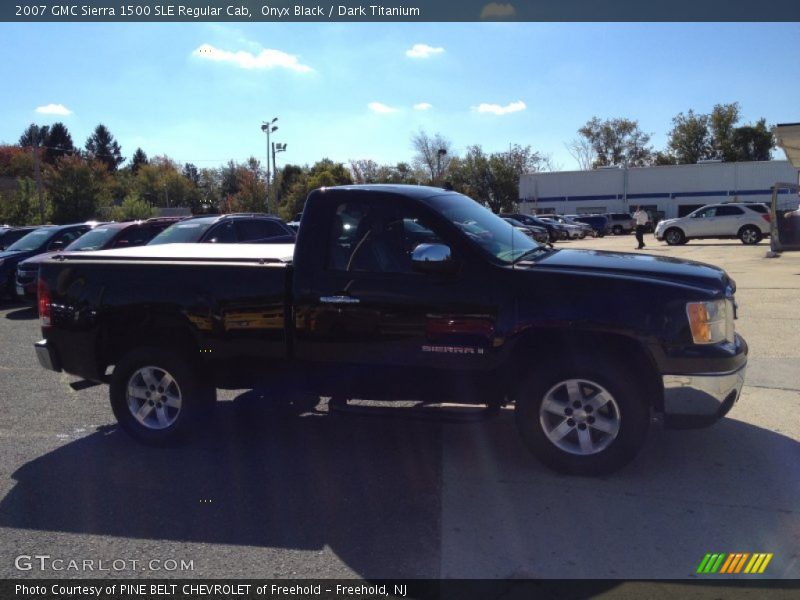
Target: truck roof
[(272, 253)]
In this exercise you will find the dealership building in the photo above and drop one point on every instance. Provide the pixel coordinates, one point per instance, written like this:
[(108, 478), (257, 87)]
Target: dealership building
[(672, 191)]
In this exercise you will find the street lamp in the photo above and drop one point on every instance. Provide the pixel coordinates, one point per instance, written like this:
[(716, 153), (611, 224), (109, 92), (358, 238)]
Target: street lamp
[(275, 149), (268, 127), (439, 154)]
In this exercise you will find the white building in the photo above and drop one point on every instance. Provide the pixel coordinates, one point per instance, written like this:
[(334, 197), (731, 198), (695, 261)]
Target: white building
[(673, 190)]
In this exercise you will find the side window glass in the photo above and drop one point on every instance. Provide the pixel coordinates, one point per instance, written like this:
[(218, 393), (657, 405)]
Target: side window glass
[(223, 234), (728, 211), (347, 228)]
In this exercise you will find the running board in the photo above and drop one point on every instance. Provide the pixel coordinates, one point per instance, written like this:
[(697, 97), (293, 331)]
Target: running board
[(456, 413)]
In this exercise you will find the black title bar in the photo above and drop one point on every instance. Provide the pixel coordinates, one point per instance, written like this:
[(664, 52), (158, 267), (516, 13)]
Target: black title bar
[(399, 10)]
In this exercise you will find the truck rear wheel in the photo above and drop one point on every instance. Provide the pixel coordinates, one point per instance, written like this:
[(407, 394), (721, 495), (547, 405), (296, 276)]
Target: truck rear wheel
[(157, 395), (584, 416)]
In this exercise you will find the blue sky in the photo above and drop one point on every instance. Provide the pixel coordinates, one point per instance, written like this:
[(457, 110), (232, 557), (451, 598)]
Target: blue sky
[(198, 92)]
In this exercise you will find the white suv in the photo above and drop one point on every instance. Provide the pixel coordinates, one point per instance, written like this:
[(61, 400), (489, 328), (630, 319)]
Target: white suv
[(748, 222)]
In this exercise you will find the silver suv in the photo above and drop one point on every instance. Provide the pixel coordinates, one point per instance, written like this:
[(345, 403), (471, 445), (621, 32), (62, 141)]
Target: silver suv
[(748, 222)]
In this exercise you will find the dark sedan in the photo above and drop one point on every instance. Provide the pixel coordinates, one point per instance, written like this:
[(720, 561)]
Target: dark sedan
[(9, 235), (556, 231), (42, 239)]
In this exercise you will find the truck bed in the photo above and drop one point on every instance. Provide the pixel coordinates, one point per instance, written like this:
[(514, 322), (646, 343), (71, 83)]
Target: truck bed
[(261, 253)]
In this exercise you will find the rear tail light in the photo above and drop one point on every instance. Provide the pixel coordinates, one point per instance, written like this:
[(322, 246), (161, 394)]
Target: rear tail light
[(45, 302), (766, 218)]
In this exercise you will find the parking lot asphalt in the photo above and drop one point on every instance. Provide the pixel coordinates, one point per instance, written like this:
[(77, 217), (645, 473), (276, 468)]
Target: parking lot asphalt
[(263, 494)]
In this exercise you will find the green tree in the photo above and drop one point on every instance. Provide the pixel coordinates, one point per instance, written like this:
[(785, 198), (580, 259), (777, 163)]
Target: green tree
[(753, 142), (58, 143), (34, 135), (132, 208), (102, 146), (77, 188), (723, 119), (21, 206), (617, 142), (690, 138), (138, 160)]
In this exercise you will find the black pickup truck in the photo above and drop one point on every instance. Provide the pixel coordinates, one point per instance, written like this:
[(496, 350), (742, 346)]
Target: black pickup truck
[(397, 293)]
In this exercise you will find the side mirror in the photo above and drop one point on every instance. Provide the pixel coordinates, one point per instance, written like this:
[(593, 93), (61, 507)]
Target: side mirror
[(57, 245), (432, 258)]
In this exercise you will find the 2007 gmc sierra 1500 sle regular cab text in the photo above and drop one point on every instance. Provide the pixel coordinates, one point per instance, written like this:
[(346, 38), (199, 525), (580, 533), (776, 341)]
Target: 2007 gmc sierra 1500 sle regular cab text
[(400, 292)]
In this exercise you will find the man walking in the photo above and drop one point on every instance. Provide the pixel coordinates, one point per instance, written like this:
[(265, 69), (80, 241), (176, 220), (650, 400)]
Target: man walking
[(641, 220)]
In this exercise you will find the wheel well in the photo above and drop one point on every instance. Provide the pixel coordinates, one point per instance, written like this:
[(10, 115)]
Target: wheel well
[(547, 345), (153, 333)]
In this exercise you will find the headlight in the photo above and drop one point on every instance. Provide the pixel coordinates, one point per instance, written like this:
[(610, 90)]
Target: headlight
[(711, 322)]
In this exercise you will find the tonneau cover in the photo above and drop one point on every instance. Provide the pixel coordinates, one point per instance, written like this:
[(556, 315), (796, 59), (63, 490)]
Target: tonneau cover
[(270, 253)]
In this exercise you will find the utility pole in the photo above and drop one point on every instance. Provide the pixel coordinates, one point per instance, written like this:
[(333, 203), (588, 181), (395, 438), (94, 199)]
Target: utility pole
[(38, 174), (268, 127), (276, 148)]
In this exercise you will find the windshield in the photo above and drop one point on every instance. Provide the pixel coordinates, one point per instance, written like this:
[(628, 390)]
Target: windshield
[(186, 232), (32, 241), (485, 229), (93, 240)]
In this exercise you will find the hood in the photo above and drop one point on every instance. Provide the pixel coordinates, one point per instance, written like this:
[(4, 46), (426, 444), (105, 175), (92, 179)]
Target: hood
[(16, 256), (37, 258), (637, 265)]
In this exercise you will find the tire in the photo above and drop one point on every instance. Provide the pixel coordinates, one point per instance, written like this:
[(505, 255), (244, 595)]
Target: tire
[(582, 386), (750, 235), (174, 409), (616, 230), (674, 237)]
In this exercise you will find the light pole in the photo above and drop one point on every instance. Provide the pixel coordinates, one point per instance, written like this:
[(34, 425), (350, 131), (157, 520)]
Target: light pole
[(275, 149), (439, 154), (268, 127)]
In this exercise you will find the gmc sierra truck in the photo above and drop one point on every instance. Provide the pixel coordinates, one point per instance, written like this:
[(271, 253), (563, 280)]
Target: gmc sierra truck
[(403, 292)]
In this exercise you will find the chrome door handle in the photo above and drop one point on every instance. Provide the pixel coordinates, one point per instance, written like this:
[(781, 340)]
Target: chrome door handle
[(339, 300)]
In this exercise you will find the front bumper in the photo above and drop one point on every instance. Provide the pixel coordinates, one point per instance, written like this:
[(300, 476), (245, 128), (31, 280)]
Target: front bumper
[(47, 356), (700, 399)]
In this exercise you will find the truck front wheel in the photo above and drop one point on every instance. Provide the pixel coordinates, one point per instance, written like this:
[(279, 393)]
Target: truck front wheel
[(157, 396), (582, 417)]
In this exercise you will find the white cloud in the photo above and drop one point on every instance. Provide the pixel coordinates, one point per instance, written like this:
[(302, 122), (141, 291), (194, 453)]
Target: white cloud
[(53, 109), (423, 51), (423, 106), (495, 10), (380, 108), (266, 59), (496, 109)]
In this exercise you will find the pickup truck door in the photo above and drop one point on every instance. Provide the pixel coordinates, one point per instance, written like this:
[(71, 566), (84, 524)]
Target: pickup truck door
[(370, 307)]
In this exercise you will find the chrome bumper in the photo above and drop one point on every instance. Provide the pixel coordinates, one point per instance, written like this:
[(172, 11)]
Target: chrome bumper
[(701, 399)]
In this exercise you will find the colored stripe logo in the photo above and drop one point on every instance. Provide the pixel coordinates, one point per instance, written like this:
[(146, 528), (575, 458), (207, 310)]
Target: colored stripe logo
[(737, 562)]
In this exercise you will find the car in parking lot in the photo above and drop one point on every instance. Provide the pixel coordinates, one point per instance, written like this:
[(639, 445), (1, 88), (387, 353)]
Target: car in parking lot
[(621, 223), (749, 222), (556, 231), (584, 227), (573, 232), (233, 228), (532, 231), (9, 235), (599, 223), (108, 235), (41, 239)]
